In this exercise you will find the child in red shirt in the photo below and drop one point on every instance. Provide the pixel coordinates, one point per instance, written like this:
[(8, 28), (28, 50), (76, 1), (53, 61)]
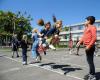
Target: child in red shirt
[(89, 39)]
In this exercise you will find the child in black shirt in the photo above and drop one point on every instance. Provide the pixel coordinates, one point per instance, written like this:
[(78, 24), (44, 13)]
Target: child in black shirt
[(24, 49)]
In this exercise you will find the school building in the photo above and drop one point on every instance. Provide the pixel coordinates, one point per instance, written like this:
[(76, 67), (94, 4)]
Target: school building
[(76, 31)]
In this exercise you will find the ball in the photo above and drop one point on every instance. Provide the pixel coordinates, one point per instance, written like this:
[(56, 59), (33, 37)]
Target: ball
[(40, 22)]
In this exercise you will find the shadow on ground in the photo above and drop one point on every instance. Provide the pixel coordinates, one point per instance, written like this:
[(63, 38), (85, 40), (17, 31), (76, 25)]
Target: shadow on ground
[(59, 66), (65, 68), (70, 69)]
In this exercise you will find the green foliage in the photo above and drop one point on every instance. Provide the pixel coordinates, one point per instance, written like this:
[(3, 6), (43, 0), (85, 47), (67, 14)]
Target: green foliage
[(65, 28), (14, 23)]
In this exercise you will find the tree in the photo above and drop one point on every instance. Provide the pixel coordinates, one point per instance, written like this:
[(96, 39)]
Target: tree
[(66, 28), (14, 23)]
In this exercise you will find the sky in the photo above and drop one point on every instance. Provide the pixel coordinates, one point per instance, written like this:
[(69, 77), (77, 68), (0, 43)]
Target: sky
[(69, 11)]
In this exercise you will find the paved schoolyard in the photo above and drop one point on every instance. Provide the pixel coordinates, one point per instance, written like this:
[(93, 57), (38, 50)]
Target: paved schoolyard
[(56, 65)]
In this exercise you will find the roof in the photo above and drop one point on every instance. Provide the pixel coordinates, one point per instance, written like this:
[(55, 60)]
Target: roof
[(78, 24)]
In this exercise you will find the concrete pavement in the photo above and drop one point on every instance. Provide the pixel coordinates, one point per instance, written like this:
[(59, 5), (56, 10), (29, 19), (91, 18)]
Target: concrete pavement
[(56, 65)]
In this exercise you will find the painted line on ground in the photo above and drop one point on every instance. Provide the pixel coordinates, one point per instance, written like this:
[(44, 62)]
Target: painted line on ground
[(35, 65)]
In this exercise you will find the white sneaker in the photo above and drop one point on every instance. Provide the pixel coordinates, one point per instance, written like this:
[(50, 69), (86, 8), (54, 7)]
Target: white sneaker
[(92, 77), (24, 63), (52, 47)]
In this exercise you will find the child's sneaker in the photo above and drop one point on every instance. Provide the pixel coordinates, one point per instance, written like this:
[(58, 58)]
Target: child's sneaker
[(52, 47), (12, 56), (86, 77), (92, 77), (24, 63)]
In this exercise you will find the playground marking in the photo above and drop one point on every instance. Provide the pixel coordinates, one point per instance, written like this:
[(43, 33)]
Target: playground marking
[(38, 65)]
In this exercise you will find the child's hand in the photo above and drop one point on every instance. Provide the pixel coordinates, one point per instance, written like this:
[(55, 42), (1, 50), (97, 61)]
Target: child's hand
[(87, 48)]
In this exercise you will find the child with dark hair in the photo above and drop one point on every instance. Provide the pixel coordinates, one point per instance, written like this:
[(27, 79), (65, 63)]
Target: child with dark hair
[(89, 39), (54, 33), (43, 33), (15, 45)]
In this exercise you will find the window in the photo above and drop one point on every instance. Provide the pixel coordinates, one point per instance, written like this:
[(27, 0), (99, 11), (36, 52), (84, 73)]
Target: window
[(81, 27), (74, 28), (98, 25)]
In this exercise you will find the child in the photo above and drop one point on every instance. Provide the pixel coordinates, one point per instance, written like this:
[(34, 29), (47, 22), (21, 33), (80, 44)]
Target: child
[(35, 53), (15, 45), (43, 33), (89, 39), (54, 32), (77, 53), (24, 49)]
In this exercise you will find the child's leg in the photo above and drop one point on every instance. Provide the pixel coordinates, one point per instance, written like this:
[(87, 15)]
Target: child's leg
[(34, 49), (17, 53), (12, 54), (77, 50), (39, 56), (45, 53), (24, 55)]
